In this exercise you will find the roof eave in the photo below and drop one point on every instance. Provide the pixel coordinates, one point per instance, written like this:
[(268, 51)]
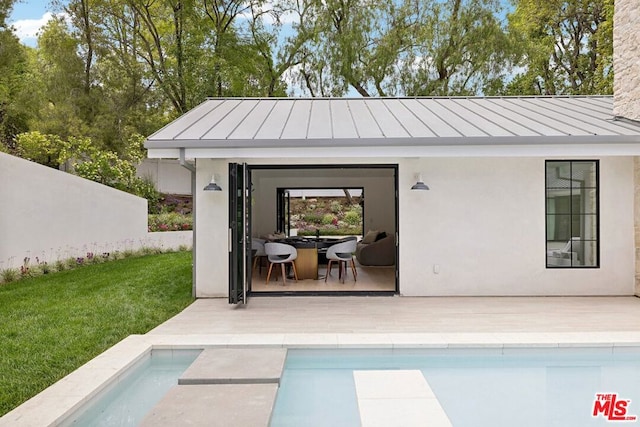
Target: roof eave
[(260, 144)]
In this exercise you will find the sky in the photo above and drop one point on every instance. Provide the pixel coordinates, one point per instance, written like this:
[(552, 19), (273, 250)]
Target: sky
[(28, 16)]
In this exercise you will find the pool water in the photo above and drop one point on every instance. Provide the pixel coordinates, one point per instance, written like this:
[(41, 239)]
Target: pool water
[(475, 387), (138, 391)]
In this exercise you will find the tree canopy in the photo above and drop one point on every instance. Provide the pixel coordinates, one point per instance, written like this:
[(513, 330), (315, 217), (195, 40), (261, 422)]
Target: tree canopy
[(108, 71)]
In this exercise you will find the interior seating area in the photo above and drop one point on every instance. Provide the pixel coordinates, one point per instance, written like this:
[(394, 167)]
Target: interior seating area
[(314, 263), (377, 248)]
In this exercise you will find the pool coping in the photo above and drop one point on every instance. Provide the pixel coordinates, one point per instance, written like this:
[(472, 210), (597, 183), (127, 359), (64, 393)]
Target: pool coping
[(56, 403)]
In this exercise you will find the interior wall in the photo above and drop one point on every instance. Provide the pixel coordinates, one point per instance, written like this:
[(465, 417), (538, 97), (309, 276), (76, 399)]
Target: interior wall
[(379, 199), (480, 230)]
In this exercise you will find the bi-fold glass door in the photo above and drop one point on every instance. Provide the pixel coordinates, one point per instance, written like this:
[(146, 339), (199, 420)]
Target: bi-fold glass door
[(239, 233)]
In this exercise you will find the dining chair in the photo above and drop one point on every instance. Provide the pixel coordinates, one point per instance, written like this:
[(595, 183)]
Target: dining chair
[(257, 247), (343, 254), (281, 253)]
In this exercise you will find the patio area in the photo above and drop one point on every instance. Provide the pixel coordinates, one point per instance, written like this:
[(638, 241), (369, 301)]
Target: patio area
[(288, 316), (355, 322)]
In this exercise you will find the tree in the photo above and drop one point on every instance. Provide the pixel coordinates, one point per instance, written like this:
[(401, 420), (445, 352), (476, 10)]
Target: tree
[(460, 48), (15, 104), (405, 48), (67, 107), (567, 46), (275, 58), (81, 157), (351, 44)]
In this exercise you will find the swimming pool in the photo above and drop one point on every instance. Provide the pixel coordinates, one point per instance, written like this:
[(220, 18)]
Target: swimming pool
[(475, 387), (140, 389)]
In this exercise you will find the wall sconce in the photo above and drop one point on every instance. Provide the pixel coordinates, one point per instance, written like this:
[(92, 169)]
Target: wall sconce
[(420, 185), (212, 186)]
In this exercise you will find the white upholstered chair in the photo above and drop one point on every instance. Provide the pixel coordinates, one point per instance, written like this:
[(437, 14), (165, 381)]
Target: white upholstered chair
[(281, 253), (343, 254)]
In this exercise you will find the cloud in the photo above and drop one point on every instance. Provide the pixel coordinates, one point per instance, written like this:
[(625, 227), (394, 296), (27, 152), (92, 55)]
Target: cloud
[(27, 29)]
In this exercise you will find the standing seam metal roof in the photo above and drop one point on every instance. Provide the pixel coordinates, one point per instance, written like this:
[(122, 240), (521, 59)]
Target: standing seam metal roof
[(261, 122)]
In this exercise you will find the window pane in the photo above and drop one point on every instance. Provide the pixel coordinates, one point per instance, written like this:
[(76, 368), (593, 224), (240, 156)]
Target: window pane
[(583, 174), (559, 254), (584, 201), (572, 208), (559, 228), (558, 201), (558, 174), (584, 226)]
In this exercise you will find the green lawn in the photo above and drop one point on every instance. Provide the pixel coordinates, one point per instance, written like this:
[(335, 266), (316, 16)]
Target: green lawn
[(52, 324)]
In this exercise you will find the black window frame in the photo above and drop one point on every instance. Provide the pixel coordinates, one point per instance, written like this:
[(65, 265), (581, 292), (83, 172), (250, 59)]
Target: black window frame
[(571, 214)]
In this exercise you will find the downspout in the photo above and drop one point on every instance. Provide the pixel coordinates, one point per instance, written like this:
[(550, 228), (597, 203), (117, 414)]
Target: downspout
[(192, 169)]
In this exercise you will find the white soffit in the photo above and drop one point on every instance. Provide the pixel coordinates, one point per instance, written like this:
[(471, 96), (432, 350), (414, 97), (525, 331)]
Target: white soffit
[(254, 126)]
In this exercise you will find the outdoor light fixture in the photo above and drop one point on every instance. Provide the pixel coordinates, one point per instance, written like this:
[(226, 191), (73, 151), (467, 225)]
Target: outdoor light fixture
[(212, 186), (420, 185)]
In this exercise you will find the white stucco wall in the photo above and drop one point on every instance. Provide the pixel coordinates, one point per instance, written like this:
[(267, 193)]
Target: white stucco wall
[(211, 256), (52, 215), (167, 175), (482, 223)]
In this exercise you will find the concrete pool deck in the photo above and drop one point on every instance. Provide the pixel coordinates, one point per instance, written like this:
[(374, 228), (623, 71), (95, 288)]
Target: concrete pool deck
[(358, 322)]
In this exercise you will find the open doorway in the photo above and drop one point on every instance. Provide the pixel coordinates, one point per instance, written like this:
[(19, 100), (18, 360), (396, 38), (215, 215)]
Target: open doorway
[(313, 207)]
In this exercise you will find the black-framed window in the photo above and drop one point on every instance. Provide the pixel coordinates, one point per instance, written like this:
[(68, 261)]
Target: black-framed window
[(572, 208)]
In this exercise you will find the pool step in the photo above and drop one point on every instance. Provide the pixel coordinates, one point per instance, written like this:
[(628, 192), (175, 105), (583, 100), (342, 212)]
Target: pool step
[(223, 387), (236, 366), (397, 398), (214, 405)]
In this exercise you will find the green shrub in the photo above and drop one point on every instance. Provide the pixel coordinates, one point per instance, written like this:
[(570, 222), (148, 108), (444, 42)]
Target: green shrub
[(170, 221), (9, 275), (333, 231), (61, 265), (46, 268), (144, 187), (329, 219), (313, 218), (336, 207), (352, 218)]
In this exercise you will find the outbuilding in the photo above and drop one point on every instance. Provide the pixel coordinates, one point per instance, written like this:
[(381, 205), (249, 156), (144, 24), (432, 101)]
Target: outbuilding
[(526, 195)]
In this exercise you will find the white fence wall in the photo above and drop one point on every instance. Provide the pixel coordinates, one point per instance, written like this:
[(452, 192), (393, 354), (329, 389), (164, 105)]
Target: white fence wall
[(167, 175), (52, 215)]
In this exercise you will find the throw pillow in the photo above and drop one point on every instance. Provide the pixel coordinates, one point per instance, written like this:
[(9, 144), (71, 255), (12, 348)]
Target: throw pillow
[(370, 237), (381, 235)]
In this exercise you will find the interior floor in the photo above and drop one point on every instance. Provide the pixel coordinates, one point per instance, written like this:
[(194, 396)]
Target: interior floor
[(370, 279)]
